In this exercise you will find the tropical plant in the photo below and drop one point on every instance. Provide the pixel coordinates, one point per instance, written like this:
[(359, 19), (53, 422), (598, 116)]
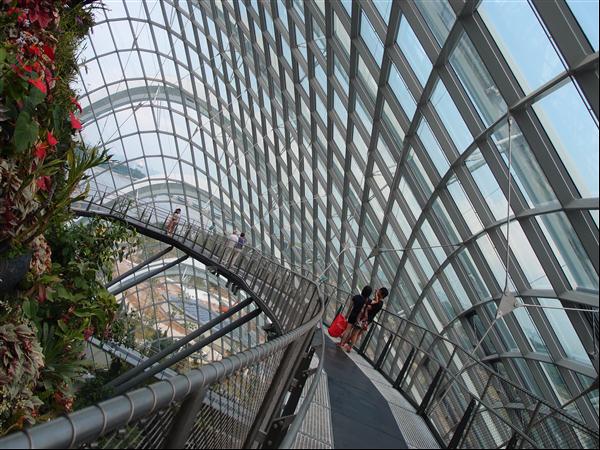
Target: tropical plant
[(21, 361), (68, 303), (41, 161)]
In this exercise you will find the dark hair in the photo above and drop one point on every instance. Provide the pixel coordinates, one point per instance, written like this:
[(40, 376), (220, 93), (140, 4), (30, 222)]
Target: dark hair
[(367, 291), (242, 234), (178, 210), (384, 292)]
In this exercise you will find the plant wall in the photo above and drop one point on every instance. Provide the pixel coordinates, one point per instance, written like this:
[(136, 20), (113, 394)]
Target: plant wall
[(61, 302)]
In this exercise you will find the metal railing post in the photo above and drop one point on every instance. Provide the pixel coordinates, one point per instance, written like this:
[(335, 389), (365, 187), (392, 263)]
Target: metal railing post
[(365, 342), (184, 420), (384, 352), (405, 367), (462, 425), (430, 391)]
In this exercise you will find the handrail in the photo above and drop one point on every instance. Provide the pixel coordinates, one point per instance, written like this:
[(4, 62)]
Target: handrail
[(82, 427), (444, 366), (107, 190), (290, 436), (295, 304)]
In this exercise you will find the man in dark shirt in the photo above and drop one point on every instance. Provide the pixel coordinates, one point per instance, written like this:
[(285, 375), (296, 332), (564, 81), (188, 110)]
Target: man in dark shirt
[(358, 302), (367, 315)]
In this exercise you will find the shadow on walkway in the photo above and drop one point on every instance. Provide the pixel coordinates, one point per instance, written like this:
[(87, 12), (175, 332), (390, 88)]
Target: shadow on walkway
[(360, 415)]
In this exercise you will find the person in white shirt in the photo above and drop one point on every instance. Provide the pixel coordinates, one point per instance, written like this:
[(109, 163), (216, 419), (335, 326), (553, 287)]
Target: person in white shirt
[(231, 243), (233, 239)]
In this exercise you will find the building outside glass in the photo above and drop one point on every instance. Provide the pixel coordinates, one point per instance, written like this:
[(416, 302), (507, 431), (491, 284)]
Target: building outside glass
[(408, 144)]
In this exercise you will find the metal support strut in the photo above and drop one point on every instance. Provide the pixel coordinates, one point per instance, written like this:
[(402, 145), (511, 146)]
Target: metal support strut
[(178, 344), (123, 286), (281, 424), (139, 266)]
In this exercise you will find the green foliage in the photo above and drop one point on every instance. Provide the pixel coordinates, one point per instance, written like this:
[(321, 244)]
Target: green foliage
[(94, 390), (69, 303), (26, 132), (96, 241)]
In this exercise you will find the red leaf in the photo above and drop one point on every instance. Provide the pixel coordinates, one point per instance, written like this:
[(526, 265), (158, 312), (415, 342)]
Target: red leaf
[(51, 139), (42, 296), (76, 103), (39, 83), (49, 51), (40, 150), (75, 123), (35, 50), (44, 183)]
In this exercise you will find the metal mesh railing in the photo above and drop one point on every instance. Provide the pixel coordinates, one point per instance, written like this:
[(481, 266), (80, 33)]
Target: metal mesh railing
[(468, 404), (231, 395), (226, 404), (237, 401), (269, 279)]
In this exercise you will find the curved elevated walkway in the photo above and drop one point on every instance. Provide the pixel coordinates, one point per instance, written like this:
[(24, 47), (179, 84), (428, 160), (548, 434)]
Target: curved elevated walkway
[(358, 408)]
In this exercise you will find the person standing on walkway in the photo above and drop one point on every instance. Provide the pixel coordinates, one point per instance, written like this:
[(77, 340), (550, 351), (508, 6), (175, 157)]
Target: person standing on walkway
[(173, 222), (231, 243), (358, 303), (367, 315), (238, 247)]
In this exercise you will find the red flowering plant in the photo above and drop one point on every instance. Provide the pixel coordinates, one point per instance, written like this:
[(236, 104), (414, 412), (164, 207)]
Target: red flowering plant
[(42, 162), (62, 301)]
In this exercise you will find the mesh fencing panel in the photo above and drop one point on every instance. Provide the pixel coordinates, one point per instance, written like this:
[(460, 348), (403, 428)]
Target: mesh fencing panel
[(232, 407)]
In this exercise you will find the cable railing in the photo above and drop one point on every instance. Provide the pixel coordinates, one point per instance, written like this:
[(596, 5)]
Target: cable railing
[(232, 403), (468, 404)]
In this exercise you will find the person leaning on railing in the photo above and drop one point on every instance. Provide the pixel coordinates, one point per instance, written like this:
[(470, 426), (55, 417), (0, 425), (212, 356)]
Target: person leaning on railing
[(367, 315), (358, 303)]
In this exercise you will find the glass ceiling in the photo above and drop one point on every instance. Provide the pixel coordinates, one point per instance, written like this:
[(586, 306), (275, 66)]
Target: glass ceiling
[(369, 142)]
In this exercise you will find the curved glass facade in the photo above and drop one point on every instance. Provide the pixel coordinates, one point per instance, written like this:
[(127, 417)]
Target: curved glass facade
[(369, 142)]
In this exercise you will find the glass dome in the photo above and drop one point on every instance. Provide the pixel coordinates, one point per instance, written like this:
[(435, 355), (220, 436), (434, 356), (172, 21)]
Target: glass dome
[(407, 144)]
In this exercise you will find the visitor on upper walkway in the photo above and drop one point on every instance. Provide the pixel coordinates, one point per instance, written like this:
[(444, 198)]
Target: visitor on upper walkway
[(173, 222), (233, 238), (241, 241), (367, 315), (230, 244), (358, 303), (238, 248)]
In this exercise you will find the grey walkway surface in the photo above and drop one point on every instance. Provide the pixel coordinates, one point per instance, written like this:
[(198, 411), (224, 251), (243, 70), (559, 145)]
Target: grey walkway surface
[(356, 407)]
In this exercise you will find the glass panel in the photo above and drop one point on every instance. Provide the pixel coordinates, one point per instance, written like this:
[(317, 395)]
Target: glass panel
[(533, 60), (574, 134), (477, 81), (570, 253), (586, 12), (400, 90), (371, 39), (412, 49), (451, 118), (439, 17), (566, 334)]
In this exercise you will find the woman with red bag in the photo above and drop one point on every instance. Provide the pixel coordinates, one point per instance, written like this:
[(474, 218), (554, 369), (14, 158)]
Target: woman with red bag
[(358, 303)]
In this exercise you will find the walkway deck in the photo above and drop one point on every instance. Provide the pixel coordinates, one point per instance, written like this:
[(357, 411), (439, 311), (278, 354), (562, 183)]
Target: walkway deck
[(361, 417), (355, 407)]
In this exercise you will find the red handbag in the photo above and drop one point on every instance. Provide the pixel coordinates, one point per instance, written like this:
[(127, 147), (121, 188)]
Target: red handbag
[(338, 326)]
